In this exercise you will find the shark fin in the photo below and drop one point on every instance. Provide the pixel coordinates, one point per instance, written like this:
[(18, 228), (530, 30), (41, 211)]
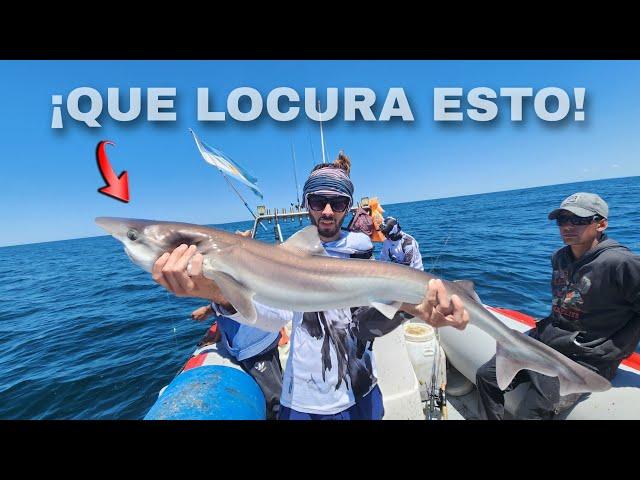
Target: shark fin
[(507, 367), (305, 241), (238, 295), (388, 310), (469, 288)]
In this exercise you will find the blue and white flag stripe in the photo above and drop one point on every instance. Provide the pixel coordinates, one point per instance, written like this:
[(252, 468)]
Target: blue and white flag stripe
[(226, 165)]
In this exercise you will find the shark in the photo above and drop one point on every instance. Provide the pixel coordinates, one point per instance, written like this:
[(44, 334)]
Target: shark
[(299, 275)]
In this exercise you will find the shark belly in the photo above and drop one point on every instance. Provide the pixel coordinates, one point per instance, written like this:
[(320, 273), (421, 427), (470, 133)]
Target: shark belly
[(295, 285)]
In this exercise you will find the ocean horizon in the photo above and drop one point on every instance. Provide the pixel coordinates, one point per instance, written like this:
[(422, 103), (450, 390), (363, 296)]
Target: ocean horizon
[(89, 335), (357, 199)]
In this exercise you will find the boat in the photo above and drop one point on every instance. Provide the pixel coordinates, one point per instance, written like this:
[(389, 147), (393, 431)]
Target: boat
[(429, 375), (467, 350)]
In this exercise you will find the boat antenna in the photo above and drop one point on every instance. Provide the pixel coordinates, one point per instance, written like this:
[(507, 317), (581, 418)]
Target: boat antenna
[(321, 134)]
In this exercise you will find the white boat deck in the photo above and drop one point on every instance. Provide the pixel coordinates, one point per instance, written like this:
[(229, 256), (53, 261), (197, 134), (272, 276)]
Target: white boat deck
[(402, 400)]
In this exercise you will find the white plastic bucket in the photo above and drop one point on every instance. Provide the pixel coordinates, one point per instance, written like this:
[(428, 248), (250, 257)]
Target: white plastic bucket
[(421, 346)]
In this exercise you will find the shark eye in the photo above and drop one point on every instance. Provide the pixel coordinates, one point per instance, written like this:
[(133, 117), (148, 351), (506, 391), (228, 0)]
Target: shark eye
[(132, 235)]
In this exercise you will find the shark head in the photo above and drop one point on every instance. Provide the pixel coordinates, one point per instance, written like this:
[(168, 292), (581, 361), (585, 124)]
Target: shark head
[(146, 240)]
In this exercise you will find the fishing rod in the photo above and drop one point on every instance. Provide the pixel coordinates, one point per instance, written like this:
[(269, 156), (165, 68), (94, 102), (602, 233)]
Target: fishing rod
[(313, 156), (435, 262), (295, 174), (437, 396), (437, 391)]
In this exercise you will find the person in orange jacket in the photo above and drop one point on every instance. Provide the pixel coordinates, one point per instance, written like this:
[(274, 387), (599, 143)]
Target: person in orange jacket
[(378, 220)]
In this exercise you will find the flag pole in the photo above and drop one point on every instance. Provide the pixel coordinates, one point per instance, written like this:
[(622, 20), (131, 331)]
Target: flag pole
[(241, 198), (225, 177)]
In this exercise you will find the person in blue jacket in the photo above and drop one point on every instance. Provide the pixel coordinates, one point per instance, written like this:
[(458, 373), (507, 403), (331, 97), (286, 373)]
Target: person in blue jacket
[(255, 350)]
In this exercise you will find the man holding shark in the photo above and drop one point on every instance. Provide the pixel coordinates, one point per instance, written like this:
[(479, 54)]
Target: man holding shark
[(330, 373), (316, 280)]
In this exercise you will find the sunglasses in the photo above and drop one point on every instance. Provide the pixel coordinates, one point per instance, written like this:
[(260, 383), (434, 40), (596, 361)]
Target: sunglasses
[(338, 203), (575, 220)]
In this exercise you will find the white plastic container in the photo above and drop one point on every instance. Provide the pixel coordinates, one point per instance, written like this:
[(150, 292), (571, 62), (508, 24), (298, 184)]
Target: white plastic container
[(421, 346), (396, 378)]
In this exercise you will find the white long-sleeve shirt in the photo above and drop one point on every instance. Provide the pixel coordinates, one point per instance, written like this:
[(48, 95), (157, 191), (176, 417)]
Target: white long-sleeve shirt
[(328, 368), (405, 251)]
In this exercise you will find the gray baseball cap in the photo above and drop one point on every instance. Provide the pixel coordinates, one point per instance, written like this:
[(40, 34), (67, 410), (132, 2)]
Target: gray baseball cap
[(583, 204)]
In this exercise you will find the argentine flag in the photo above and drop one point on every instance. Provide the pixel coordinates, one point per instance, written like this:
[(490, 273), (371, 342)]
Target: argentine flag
[(226, 165)]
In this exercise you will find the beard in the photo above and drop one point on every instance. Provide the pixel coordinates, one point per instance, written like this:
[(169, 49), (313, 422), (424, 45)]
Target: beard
[(326, 230)]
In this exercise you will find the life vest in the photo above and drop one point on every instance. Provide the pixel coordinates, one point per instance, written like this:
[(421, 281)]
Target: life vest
[(378, 220)]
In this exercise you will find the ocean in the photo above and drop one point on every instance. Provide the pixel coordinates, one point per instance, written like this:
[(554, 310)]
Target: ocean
[(86, 334)]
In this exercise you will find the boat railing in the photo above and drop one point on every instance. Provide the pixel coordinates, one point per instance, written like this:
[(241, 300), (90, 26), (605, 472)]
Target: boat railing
[(291, 214)]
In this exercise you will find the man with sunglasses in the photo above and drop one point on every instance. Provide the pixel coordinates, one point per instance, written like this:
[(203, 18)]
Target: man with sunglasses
[(330, 371), (595, 311)]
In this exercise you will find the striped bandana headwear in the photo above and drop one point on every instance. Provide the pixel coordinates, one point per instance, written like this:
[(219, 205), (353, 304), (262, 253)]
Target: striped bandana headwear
[(328, 181)]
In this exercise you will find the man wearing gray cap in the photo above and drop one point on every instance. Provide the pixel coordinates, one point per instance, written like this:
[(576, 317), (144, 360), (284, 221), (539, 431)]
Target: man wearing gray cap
[(595, 311)]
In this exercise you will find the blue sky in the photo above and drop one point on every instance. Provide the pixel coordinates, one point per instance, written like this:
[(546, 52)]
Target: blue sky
[(50, 176)]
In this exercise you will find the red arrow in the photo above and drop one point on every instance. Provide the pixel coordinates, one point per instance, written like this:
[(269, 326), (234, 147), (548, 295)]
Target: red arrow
[(117, 187)]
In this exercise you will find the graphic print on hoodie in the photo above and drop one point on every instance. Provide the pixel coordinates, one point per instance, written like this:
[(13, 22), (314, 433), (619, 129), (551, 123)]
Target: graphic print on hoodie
[(595, 314)]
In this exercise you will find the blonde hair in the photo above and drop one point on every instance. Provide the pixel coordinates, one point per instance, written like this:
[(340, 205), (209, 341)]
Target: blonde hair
[(343, 162)]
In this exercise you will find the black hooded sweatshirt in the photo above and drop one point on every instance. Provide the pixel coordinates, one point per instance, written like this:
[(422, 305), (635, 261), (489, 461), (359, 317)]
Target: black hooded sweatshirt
[(595, 311)]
